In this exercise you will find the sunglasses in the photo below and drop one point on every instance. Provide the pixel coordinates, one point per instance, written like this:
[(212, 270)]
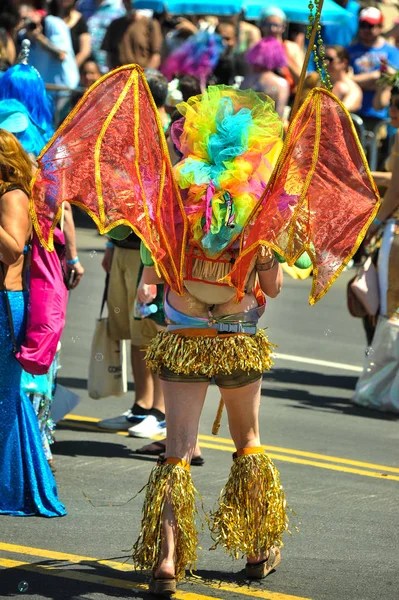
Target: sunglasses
[(394, 104), (366, 25)]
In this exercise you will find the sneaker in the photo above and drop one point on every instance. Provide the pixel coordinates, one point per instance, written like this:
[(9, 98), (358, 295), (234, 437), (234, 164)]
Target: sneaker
[(161, 428), (123, 421), (149, 427)]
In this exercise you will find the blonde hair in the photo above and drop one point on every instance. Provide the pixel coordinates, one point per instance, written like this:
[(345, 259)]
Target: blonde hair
[(15, 164)]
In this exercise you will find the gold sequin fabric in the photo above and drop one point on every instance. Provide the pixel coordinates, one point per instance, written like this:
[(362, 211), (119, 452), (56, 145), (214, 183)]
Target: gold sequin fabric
[(251, 517), (210, 356), (173, 483)]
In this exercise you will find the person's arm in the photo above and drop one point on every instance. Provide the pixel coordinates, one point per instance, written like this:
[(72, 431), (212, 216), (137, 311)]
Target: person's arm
[(38, 36), (146, 293), (155, 44), (70, 245), (382, 178), (353, 98), (11, 53), (382, 97), (150, 277), (295, 59), (14, 225), (108, 256), (154, 61), (84, 49), (269, 272), (283, 96), (390, 202), (367, 81)]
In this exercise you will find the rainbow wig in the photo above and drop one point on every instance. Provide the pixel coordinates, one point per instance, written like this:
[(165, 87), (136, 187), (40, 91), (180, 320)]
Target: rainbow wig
[(198, 56), (268, 54), (25, 84), (230, 140)]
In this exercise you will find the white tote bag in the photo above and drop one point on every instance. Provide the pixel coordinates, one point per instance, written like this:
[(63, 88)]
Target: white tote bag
[(108, 364)]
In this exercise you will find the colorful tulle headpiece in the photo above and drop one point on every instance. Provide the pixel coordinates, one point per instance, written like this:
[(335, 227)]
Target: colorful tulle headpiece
[(267, 54), (198, 56), (230, 140)]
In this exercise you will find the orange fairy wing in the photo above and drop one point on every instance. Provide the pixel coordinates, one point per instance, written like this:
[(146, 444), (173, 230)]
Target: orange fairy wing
[(321, 197), (110, 158)]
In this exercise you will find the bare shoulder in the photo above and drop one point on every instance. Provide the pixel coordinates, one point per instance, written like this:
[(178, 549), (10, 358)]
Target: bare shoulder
[(13, 201)]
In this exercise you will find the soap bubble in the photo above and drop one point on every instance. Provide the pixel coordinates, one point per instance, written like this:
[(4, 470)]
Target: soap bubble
[(99, 357), (92, 254), (23, 586), (117, 310), (327, 331)]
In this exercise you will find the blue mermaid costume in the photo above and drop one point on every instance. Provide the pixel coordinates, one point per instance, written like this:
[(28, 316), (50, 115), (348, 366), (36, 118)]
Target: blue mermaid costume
[(27, 485)]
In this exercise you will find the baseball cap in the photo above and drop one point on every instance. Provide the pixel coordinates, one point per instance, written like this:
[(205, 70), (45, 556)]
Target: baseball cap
[(371, 15)]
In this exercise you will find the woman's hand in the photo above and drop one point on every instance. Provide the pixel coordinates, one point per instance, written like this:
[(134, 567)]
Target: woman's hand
[(107, 260), (269, 272), (146, 293)]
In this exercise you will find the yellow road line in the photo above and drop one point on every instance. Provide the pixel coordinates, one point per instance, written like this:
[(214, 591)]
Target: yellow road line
[(62, 571), (76, 575), (344, 461), (313, 463), (297, 453), (102, 580)]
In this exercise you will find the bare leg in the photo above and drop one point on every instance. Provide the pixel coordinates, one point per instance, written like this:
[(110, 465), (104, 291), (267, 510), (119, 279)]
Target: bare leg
[(143, 383), (242, 406), (183, 403), (159, 402)]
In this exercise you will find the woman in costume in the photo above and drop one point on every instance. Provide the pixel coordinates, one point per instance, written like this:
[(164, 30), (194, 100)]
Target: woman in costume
[(264, 59), (237, 195), (27, 486), (209, 335), (26, 110), (378, 386)]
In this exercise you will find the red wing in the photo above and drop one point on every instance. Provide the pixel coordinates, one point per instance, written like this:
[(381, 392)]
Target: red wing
[(110, 158), (321, 197)]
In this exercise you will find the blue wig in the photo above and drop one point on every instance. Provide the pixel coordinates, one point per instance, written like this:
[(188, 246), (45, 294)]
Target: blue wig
[(15, 118), (24, 83)]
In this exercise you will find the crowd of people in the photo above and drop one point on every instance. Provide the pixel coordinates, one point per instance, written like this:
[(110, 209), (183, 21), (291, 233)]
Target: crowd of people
[(75, 42), (213, 69)]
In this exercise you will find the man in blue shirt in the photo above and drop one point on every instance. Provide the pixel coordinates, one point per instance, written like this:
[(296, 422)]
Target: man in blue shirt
[(367, 57)]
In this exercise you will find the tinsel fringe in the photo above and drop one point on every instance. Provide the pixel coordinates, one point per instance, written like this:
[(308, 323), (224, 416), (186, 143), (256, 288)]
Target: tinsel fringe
[(146, 550), (251, 517), (210, 355)]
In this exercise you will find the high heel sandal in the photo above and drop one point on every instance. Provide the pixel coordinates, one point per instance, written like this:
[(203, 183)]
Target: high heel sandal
[(261, 569), (163, 587)]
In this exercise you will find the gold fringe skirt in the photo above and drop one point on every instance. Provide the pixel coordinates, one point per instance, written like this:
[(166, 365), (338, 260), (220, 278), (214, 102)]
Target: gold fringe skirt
[(172, 482), (210, 355), (252, 516)]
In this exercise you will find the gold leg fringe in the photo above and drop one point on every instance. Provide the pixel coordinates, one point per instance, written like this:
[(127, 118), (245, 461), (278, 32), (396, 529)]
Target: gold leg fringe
[(175, 482), (210, 355), (251, 517)]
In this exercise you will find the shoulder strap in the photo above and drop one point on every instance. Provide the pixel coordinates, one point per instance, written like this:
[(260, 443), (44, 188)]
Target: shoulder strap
[(9, 312), (105, 294)]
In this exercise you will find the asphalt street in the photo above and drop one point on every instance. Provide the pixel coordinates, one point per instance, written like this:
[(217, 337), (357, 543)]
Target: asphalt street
[(339, 465)]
